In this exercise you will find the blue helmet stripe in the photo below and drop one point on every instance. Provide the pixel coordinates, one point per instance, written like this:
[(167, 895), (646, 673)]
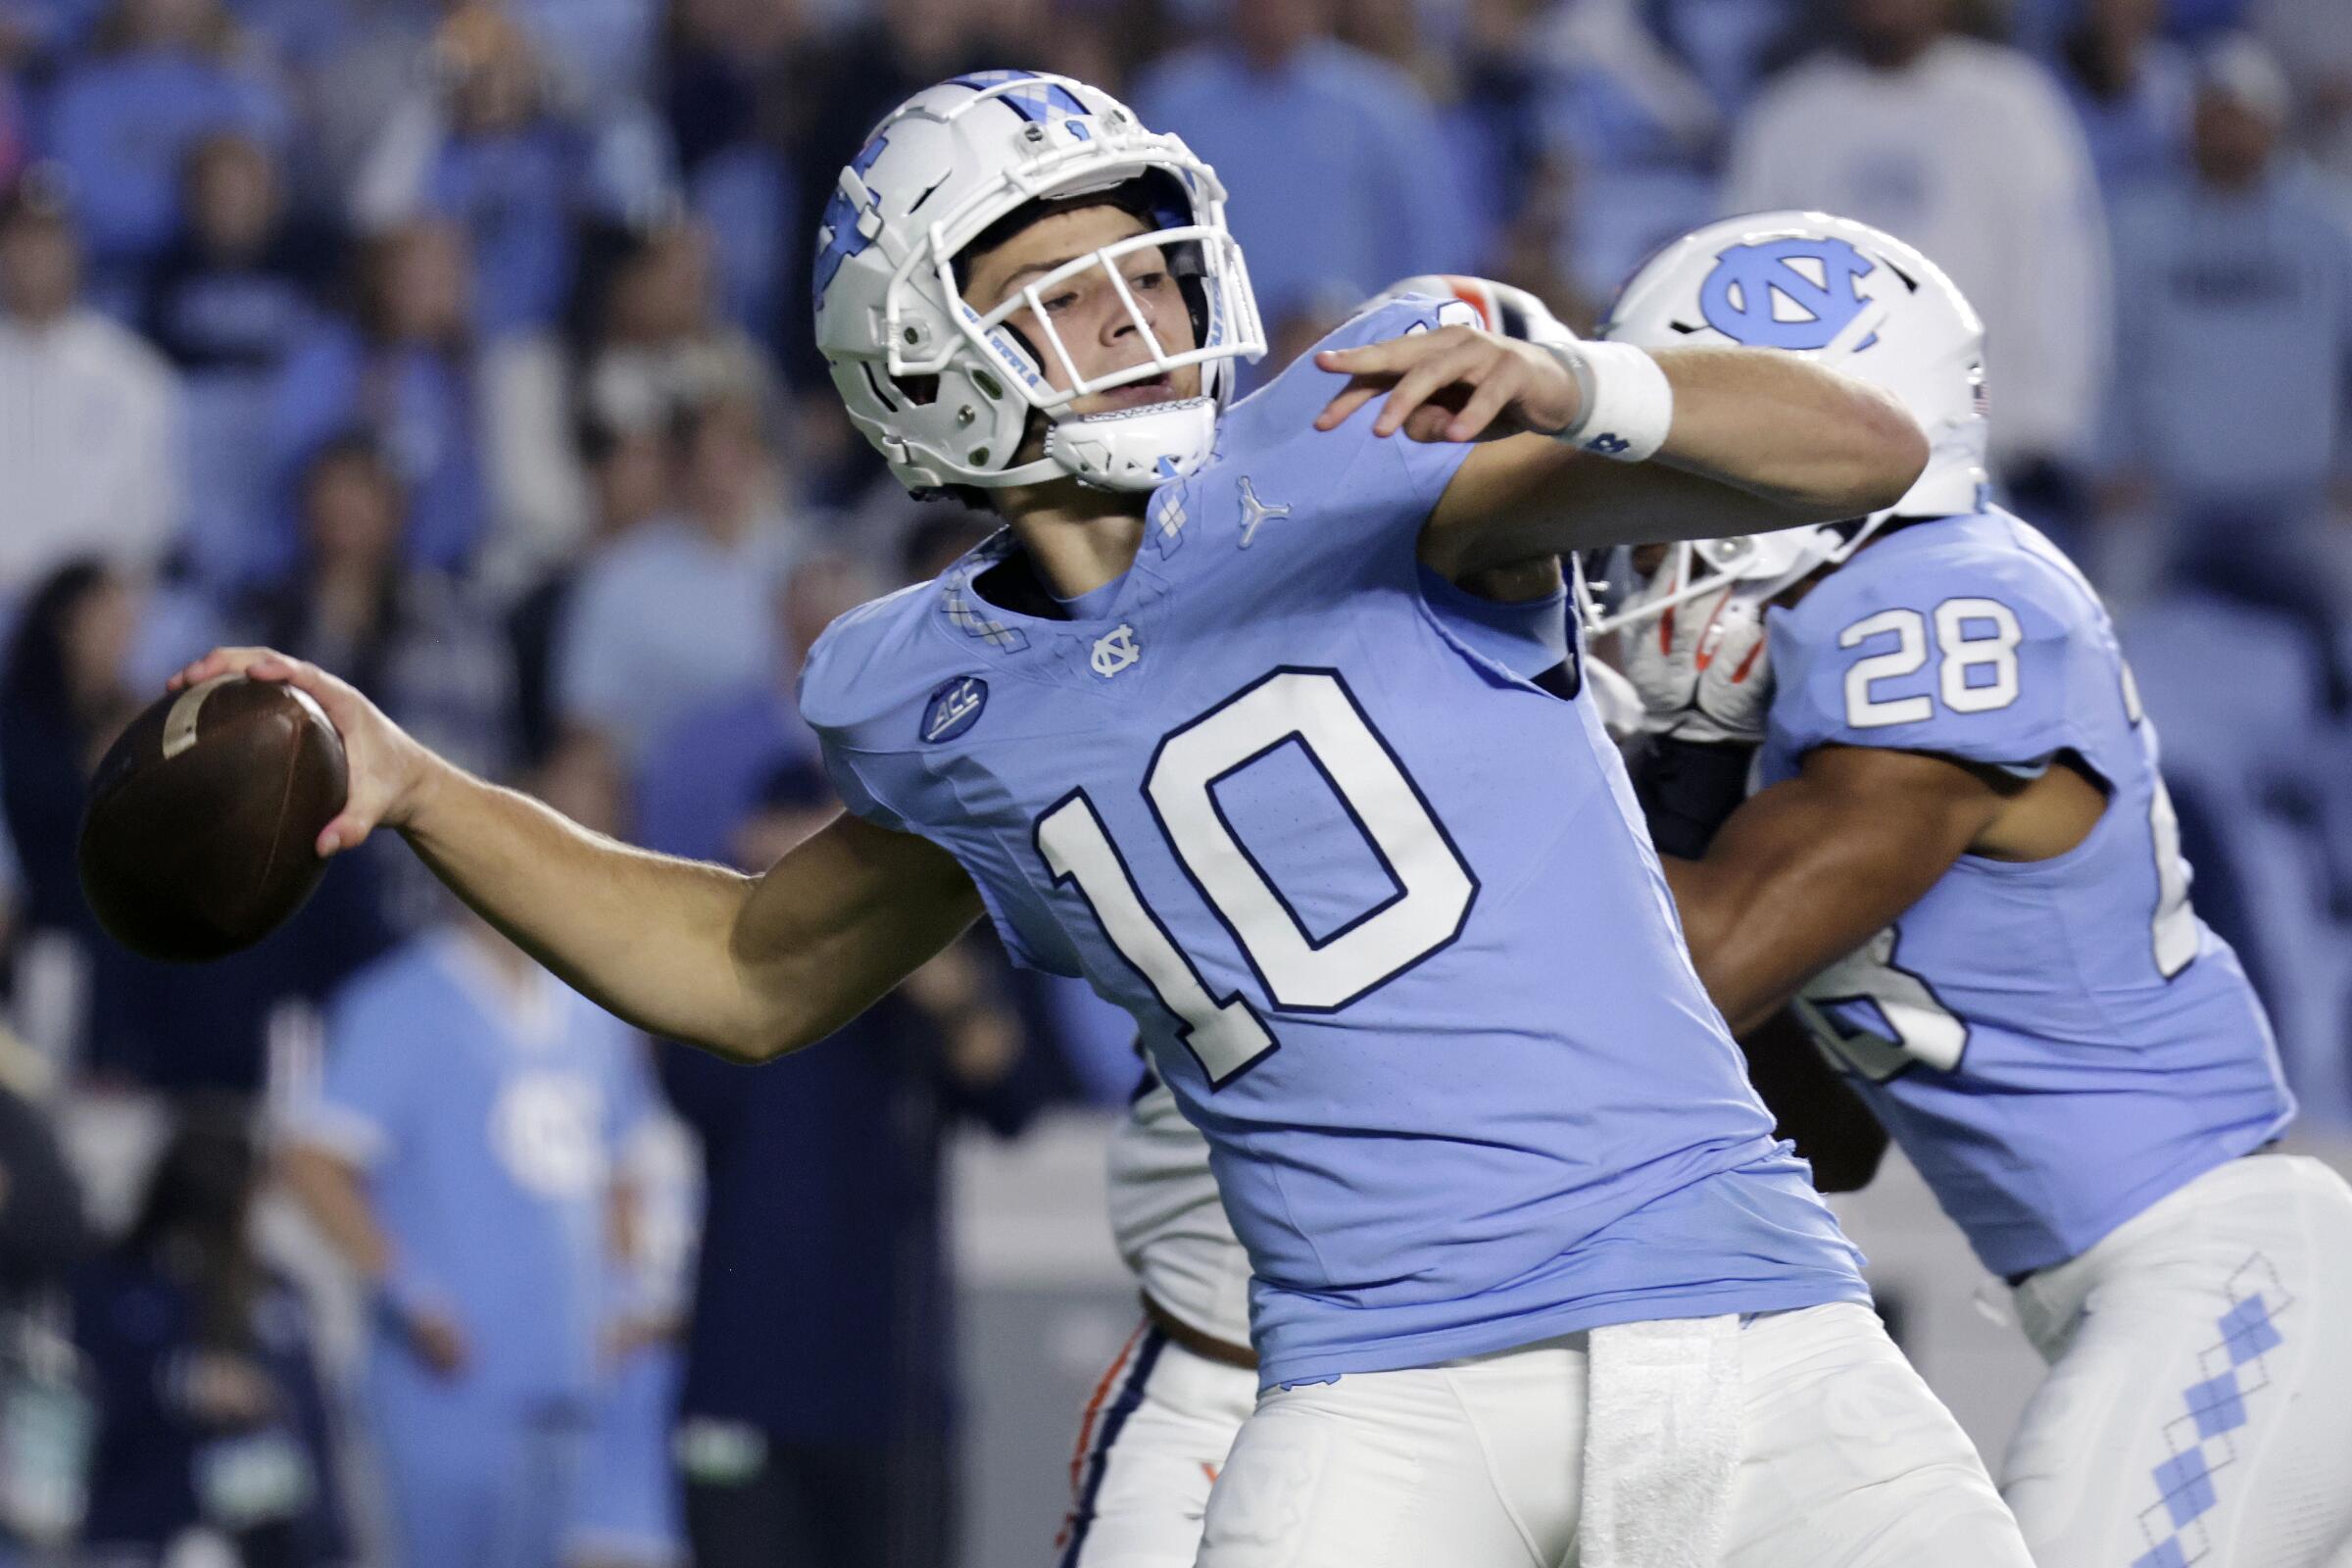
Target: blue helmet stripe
[(839, 235)]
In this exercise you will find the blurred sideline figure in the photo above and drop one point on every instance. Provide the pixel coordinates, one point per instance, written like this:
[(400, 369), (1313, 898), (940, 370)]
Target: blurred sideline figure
[(460, 1158), (2238, 269), (828, 1436), (1870, 128), (212, 1419)]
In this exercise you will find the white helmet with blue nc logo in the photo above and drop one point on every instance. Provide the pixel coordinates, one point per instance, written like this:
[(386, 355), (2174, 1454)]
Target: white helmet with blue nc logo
[(944, 391), (1843, 294)]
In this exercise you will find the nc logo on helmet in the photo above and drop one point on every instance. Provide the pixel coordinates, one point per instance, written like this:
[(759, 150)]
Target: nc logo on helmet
[(1794, 293)]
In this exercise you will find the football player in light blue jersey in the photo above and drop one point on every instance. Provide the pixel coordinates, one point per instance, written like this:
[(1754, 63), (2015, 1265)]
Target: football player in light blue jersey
[(1382, 909), (1961, 865), (1185, 1381)]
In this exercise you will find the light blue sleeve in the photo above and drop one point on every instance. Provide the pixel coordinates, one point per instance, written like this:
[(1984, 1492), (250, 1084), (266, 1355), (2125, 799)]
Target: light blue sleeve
[(1970, 659), (373, 1086), (840, 664)]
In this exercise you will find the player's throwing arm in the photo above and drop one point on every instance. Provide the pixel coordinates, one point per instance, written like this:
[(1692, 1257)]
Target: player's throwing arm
[(750, 968), (1591, 443)]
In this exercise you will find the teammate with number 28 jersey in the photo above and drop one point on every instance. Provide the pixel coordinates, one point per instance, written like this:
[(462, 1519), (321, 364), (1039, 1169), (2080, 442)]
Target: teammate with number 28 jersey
[(1961, 865), (2014, 981)]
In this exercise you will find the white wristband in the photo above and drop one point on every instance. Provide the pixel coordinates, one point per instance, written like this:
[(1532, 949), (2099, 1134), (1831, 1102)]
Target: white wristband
[(1627, 402)]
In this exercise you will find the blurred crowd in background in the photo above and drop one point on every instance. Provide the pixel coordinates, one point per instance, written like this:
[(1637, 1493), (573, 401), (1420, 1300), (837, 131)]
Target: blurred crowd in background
[(463, 348)]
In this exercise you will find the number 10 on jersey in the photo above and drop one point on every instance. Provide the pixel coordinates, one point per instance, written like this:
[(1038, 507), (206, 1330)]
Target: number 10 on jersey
[(1314, 710)]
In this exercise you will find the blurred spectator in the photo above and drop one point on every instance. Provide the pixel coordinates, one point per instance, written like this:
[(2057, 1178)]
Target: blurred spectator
[(660, 343), (459, 1158), (62, 703), (227, 302), (89, 415), (628, 475), (2132, 90), (1495, 129), (2313, 40), (706, 765), (163, 75), (2240, 279), (825, 1434), (402, 370), (656, 343), (212, 1419), (16, 135), (410, 637), (728, 137), (236, 285), (44, 1383), (44, 1230), (491, 154), (599, 50), (1636, 130), (629, 1512), (1967, 150), (676, 609), (1340, 181), (1727, 45), (624, 1508)]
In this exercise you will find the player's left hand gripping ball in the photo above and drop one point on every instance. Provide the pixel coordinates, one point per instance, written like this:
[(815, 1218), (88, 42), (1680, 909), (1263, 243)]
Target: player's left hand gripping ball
[(1455, 383), (210, 819), (196, 841), (389, 771)]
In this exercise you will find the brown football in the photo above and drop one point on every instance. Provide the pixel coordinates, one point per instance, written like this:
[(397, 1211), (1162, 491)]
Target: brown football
[(200, 833)]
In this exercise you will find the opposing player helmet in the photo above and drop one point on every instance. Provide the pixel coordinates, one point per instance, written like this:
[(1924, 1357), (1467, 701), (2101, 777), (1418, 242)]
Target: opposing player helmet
[(945, 392), (1831, 290)]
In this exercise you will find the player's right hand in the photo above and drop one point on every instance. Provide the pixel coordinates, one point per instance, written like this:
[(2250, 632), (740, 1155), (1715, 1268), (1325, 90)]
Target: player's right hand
[(1456, 383), (387, 769)]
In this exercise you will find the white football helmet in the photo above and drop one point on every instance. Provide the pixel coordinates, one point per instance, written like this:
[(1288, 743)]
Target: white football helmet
[(1831, 290), (945, 392)]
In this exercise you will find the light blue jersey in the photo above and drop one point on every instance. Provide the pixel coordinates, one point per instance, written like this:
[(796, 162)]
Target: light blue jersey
[(2056, 1044), (485, 1117), (1384, 912)]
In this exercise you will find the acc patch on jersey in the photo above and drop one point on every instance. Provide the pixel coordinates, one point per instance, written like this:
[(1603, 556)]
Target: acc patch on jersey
[(953, 709)]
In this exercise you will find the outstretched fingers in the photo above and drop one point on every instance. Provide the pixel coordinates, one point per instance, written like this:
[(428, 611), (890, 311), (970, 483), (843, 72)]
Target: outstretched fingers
[(1371, 368), (1492, 394), (1413, 370)]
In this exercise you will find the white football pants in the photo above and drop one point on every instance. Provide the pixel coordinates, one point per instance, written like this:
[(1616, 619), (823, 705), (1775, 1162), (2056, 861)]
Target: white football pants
[(1152, 1441), (1848, 1461), (2199, 1404)]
